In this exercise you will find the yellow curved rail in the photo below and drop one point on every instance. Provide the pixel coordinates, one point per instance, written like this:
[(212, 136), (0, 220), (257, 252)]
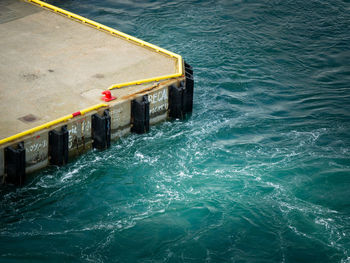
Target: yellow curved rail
[(52, 123), (127, 37)]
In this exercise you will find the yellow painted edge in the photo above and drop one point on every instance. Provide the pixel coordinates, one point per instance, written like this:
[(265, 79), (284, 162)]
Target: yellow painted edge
[(120, 34), (118, 85), (51, 123), (138, 82), (92, 108)]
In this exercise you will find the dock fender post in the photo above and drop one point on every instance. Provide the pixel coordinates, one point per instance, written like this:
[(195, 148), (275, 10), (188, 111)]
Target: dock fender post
[(15, 164), (176, 101), (101, 130), (140, 115), (58, 146), (188, 68), (188, 104), (108, 127)]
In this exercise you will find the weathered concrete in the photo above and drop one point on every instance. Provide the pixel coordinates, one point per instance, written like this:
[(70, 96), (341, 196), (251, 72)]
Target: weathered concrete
[(52, 66)]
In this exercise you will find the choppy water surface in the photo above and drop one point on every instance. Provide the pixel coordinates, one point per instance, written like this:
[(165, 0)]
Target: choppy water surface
[(259, 173)]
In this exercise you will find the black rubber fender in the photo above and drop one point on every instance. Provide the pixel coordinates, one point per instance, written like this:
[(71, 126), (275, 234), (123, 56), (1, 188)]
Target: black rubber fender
[(101, 130), (58, 146), (176, 101), (188, 103), (188, 69), (140, 115), (15, 164)]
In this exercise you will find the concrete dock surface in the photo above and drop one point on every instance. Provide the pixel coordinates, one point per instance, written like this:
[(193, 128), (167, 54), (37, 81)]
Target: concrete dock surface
[(52, 66)]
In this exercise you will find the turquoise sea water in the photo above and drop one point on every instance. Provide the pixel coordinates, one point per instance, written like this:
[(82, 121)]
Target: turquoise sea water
[(259, 173)]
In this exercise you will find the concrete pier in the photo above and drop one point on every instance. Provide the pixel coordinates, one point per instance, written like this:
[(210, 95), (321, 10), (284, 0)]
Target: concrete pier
[(55, 66)]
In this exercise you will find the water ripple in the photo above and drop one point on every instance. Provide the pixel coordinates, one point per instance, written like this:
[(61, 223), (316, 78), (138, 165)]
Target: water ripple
[(258, 173)]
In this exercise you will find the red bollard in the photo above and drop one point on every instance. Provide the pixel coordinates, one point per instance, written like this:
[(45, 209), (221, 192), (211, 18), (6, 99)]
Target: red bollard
[(108, 96)]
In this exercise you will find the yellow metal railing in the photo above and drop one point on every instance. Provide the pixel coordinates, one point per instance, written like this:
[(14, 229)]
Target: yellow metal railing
[(113, 32)]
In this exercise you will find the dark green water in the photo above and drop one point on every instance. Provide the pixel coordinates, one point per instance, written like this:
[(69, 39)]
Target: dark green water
[(259, 173)]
